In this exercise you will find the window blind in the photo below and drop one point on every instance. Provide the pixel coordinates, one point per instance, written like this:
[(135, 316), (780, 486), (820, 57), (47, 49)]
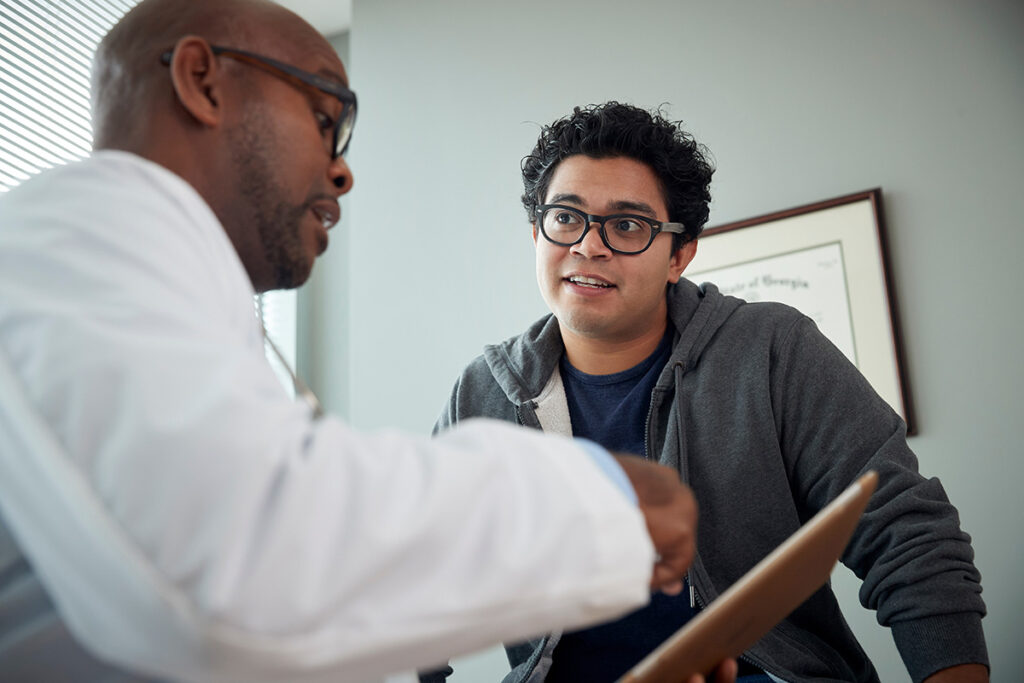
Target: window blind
[(46, 51)]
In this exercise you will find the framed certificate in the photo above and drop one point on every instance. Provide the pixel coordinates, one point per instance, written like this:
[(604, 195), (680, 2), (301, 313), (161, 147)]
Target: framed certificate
[(828, 260)]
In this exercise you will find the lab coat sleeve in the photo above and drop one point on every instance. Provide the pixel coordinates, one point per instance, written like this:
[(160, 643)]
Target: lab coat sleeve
[(191, 521)]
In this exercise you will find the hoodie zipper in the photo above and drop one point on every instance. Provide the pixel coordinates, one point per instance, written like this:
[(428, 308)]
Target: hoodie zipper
[(696, 602)]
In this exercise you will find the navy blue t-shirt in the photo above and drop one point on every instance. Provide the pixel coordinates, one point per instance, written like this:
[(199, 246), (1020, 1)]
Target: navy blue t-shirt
[(612, 410)]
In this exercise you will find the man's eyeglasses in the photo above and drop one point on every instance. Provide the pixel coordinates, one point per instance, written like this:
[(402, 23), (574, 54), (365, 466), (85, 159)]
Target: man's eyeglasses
[(623, 233), (301, 79)]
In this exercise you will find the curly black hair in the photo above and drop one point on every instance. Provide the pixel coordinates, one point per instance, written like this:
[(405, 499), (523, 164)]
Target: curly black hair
[(613, 129)]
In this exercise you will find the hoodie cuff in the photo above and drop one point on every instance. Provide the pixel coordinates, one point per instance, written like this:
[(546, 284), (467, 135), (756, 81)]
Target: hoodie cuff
[(934, 643)]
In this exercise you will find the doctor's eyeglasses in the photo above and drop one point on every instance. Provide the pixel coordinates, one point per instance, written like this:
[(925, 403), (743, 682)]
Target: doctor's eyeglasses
[(342, 127)]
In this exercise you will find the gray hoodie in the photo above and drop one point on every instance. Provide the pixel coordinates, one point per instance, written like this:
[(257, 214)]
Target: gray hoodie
[(767, 422)]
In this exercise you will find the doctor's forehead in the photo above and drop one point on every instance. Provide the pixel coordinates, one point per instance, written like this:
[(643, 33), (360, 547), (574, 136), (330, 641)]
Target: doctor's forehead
[(292, 39)]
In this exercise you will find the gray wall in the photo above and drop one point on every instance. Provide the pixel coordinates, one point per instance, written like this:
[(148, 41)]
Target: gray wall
[(322, 308), (798, 101)]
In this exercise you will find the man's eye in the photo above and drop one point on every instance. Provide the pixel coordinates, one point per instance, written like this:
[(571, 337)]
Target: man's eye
[(628, 225), (325, 122), (566, 218)]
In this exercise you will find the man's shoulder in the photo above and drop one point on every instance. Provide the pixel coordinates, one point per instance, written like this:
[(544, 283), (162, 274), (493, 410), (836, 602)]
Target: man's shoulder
[(105, 182), (41, 186), (767, 312), (475, 371), (507, 374), (476, 394), (521, 364), (728, 315)]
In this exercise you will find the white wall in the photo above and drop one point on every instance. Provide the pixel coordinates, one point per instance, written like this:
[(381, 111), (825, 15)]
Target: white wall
[(798, 101), (323, 322)]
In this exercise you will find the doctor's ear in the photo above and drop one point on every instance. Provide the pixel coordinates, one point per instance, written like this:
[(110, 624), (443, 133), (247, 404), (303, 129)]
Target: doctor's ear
[(197, 79)]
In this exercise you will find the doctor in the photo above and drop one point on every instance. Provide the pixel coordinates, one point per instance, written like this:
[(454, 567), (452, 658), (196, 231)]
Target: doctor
[(167, 511)]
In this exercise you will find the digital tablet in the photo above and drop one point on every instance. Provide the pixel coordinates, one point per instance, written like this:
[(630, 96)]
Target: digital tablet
[(763, 596)]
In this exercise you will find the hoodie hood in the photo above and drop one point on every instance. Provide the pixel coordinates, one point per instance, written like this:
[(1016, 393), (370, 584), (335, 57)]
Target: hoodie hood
[(523, 365)]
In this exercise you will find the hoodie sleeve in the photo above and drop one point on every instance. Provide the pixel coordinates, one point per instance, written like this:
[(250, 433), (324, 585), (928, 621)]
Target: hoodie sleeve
[(915, 562), (476, 394)]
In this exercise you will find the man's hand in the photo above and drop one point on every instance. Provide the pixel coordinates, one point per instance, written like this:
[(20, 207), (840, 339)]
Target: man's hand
[(724, 673), (671, 514), (965, 673)]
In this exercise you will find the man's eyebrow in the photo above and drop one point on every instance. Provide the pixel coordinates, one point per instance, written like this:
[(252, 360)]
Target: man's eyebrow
[(619, 205), (628, 205), (565, 197)]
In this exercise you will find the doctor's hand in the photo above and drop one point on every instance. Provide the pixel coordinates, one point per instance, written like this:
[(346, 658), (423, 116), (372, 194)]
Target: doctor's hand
[(724, 673), (671, 514)]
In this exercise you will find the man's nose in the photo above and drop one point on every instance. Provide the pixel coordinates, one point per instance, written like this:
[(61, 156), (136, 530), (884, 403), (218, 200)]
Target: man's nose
[(340, 175), (592, 246)]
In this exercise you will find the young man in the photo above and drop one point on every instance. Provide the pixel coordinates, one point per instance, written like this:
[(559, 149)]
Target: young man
[(168, 505), (758, 412)]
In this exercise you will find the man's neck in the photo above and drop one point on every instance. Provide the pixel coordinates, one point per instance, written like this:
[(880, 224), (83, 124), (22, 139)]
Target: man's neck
[(605, 356)]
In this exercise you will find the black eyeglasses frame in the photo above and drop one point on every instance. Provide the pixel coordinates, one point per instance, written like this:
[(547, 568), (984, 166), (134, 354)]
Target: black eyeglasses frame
[(657, 227), (345, 122)]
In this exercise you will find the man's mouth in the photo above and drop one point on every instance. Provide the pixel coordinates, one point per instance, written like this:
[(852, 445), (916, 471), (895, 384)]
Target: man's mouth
[(327, 212), (584, 281)]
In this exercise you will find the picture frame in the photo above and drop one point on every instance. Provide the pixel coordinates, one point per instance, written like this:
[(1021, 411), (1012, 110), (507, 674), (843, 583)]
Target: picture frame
[(830, 260)]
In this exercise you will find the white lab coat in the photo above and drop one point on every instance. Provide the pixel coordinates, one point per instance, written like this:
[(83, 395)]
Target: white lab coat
[(190, 521)]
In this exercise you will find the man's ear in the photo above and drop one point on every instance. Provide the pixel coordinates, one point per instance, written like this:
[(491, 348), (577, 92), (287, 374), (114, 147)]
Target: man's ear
[(681, 258), (534, 225), (197, 80)]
